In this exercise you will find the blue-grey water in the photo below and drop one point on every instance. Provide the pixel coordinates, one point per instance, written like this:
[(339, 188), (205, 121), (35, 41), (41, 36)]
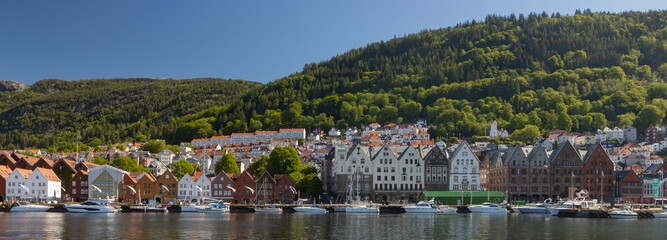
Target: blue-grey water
[(328, 226)]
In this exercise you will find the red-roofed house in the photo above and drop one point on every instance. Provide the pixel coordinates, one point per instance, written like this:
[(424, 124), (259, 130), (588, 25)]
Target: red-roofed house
[(221, 186)]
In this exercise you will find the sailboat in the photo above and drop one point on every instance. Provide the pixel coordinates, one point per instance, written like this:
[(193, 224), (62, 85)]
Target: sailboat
[(266, 208), (358, 206)]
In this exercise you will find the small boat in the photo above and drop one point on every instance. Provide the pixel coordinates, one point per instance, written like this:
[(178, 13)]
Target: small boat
[(268, 209), (149, 208), (311, 209), (422, 207), (488, 208), (623, 214), (540, 208), (660, 214), (91, 206), (362, 208), (214, 208), (581, 202), (28, 207), (191, 208)]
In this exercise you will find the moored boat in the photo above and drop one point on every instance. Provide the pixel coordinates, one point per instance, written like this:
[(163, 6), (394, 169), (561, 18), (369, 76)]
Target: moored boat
[(623, 214), (214, 208), (92, 206), (28, 207), (488, 208), (149, 208), (422, 207), (540, 208), (312, 209), (268, 209)]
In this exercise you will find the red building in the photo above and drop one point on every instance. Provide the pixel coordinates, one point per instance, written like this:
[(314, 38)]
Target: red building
[(285, 191), (630, 186), (598, 173), (4, 173), (127, 190), (243, 182), (79, 187), (265, 188), (65, 170), (220, 186), (651, 133), (567, 170)]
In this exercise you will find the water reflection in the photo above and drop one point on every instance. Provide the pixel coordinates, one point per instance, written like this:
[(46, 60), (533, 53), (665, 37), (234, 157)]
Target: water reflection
[(327, 226)]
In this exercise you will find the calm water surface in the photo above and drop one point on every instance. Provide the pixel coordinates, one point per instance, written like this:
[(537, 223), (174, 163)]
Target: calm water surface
[(328, 226)]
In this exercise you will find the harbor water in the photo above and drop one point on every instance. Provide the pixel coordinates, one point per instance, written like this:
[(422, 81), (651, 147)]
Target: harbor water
[(324, 226)]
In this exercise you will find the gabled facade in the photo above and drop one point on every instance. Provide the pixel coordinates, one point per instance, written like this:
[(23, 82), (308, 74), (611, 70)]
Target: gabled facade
[(242, 182), (79, 186), (540, 185), (127, 190), (146, 187), (168, 193), (385, 173), (565, 163), (106, 179), (44, 184), (410, 168), (437, 168), (596, 164), (464, 169), (187, 189), (356, 161), (266, 186), (15, 182), (285, 189), (220, 187), (7, 160), (65, 170)]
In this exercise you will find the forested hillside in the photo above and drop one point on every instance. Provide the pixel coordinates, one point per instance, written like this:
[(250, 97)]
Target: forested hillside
[(577, 73), (106, 110)]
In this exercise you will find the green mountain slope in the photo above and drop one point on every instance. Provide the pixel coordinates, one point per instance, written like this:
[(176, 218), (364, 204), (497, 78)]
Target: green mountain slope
[(575, 72), (106, 110)]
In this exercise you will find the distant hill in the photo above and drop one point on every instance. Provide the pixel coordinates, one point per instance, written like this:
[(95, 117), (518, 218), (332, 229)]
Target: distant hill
[(106, 109)]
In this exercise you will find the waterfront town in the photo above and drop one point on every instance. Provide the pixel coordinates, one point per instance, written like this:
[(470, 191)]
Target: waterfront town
[(382, 164)]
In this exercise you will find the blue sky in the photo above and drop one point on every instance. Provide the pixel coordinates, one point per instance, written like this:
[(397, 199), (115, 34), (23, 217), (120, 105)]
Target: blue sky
[(251, 40)]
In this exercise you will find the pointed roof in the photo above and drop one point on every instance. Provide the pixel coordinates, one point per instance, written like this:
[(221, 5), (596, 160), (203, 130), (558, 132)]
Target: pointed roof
[(562, 145), (5, 171), (48, 174), (25, 172), (70, 164)]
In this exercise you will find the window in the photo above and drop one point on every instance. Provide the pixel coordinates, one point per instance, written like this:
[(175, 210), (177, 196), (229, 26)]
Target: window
[(74, 184)]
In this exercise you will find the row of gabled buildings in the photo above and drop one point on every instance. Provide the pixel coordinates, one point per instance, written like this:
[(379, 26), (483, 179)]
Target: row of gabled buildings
[(531, 173)]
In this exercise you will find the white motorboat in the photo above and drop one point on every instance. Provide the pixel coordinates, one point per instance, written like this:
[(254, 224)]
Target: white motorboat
[(191, 208), (540, 208), (660, 215), (362, 208), (422, 207), (214, 208), (92, 206), (268, 209), (488, 208), (623, 214), (153, 207), (28, 207), (581, 202), (311, 209)]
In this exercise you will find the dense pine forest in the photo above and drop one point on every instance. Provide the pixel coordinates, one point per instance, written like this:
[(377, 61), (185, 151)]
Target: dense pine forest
[(528, 72)]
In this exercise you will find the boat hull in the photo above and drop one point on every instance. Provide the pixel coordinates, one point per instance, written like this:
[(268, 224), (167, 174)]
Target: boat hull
[(30, 209), (660, 215), (361, 210), (480, 209), (533, 210), (416, 209), (268, 210), (310, 210), (623, 216), (89, 209)]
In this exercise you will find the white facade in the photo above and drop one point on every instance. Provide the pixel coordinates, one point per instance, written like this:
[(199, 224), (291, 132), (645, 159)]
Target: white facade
[(266, 135), (464, 169), (188, 188), (411, 165), (294, 133), (386, 170), (44, 184), (166, 156), (238, 138), (630, 133), (220, 140), (334, 132), (13, 184)]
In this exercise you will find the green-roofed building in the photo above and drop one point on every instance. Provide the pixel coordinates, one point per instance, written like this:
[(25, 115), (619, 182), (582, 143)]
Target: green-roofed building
[(462, 197)]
